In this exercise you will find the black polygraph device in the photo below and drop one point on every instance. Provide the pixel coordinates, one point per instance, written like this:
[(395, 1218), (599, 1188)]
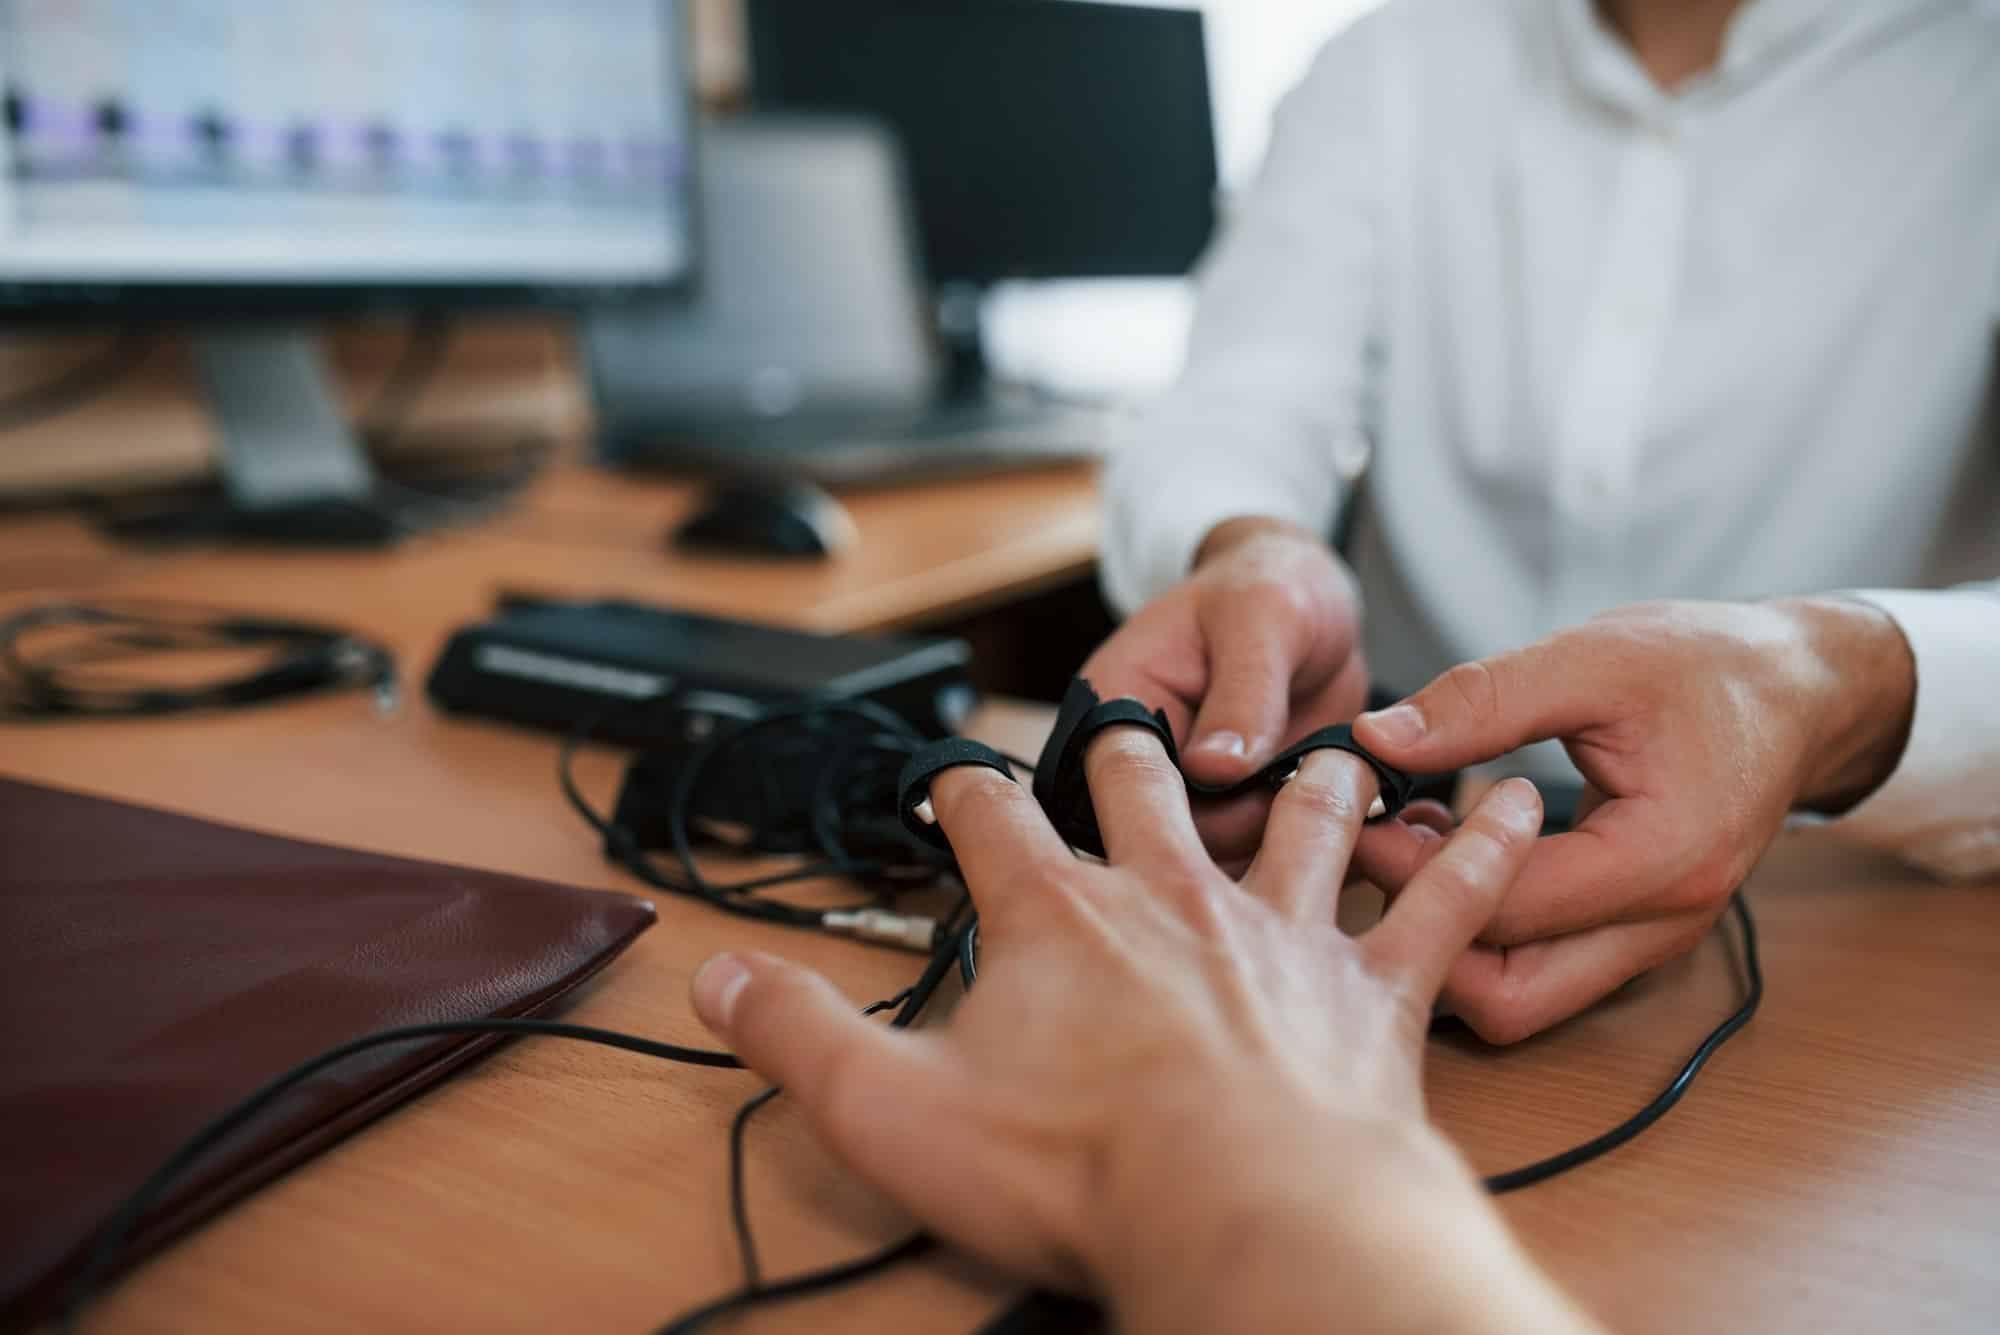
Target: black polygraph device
[(616, 665)]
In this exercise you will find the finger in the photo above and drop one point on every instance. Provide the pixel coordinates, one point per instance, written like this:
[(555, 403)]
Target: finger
[(1479, 711), (1390, 853), (868, 1089), (1006, 849), (1315, 820), (1234, 829), (1629, 861), (1140, 799), (1507, 995), (1430, 814), (1255, 648), (1445, 905), (1155, 678)]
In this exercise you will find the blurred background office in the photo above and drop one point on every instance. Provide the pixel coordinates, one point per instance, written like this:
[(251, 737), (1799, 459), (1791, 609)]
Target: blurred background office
[(1092, 327)]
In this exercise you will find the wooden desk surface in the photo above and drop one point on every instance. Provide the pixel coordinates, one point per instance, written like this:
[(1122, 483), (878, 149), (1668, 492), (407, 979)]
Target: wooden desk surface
[(1837, 1168)]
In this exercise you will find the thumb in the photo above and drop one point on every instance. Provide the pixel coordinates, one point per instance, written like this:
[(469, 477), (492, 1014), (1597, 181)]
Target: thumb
[(1480, 711), (1252, 658), (868, 1090)]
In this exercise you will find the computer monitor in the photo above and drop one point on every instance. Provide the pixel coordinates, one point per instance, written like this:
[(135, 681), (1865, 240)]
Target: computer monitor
[(1045, 138), (244, 164)]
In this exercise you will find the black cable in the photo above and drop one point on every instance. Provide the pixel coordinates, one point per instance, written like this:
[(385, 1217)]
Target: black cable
[(112, 1238), (53, 658), (79, 384), (1753, 996), (739, 1209), (859, 746), (803, 1286), (909, 1004)]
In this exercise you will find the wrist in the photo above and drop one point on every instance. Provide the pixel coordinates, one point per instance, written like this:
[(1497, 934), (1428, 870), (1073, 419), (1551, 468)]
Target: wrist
[(1866, 702), (1231, 534), (1379, 1224)]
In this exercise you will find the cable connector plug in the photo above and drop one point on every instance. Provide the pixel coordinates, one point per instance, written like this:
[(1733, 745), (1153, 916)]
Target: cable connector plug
[(911, 931)]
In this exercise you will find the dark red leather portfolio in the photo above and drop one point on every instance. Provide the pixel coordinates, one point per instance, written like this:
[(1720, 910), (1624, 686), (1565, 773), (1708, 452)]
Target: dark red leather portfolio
[(154, 969)]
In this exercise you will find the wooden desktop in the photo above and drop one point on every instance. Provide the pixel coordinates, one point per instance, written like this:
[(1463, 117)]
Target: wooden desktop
[(1837, 1167)]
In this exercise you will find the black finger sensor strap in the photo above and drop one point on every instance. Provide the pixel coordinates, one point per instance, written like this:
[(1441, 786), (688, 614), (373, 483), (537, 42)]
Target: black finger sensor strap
[(913, 785), (1064, 792)]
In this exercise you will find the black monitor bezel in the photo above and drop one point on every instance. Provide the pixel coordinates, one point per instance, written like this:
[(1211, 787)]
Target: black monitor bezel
[(55, 302), (771, 92)]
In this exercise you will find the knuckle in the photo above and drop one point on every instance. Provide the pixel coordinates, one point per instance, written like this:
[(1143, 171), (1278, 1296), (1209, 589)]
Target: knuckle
[(1128, 755), (960, 791), (1475, 687), (1200, 902), (1499, 1022), (1495, 1011), (1456, 882), (1323, 801)]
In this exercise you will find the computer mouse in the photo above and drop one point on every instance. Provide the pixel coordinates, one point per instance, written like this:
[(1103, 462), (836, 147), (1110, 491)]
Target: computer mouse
[(782, 519)]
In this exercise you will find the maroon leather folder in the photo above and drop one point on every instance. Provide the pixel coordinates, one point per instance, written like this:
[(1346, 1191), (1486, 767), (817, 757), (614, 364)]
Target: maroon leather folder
[(154, 969)]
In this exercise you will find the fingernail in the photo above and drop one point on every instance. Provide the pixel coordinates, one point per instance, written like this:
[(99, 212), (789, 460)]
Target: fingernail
[(1221, 744), (716, 986), (1399, 725), (1519, 803)]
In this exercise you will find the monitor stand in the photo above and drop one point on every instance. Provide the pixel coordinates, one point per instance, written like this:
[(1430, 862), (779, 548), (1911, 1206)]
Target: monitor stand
[(956, 312), (292, 471), (284, 442)]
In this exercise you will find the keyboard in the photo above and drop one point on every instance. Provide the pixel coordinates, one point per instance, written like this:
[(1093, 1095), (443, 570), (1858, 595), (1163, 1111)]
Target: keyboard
[(957, 440)]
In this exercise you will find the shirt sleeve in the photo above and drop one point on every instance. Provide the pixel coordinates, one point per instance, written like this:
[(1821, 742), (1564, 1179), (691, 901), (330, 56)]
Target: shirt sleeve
[(1268, 410), (1940, 809)]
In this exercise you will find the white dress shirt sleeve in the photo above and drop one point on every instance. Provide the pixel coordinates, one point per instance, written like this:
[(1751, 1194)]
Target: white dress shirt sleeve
[(1940, 810), (1268, 410)]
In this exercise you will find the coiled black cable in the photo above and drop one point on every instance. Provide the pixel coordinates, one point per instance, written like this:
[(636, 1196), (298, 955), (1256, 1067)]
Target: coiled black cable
[(63, 660)]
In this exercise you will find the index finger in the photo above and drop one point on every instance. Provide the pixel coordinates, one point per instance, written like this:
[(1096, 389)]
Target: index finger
[(1445, 905), (1003, 842), (1622, 864)]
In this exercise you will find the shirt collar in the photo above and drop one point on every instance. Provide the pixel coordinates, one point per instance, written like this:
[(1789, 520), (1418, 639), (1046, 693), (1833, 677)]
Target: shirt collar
[(1759, 33)]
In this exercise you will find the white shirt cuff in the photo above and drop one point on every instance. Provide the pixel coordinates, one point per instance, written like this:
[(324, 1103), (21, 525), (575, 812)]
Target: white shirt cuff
[(1941, 807), (1165, 495)]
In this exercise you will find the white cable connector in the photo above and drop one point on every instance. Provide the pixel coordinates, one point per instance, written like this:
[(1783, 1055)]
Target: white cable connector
[(911, 931)]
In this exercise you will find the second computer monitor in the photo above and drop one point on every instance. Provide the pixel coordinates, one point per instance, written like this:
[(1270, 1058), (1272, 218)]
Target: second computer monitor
[(1046, 138)]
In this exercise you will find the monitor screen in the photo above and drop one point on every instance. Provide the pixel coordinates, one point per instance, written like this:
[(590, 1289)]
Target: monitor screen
[(1045, 138), (339, 147)]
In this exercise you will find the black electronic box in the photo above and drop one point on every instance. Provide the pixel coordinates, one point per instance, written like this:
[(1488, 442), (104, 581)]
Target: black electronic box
[(564, 666)]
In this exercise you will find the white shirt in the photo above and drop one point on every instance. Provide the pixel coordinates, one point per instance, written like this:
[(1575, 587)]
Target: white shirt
[(1596, 343)]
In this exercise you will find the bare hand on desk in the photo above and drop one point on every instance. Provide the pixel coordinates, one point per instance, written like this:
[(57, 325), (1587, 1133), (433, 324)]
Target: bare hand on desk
[(1258, 647), (1697, 727), (1189, 1095)]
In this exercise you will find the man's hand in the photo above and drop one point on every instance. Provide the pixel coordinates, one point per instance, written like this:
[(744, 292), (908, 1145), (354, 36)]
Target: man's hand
[(1697, 728), (1252, 651), (1191, 1095)]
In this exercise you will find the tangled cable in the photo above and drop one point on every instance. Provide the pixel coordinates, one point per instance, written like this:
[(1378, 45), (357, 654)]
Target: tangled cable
[(74, 660)]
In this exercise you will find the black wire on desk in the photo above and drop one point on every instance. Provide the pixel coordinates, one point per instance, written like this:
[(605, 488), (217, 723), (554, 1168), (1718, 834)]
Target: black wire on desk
[(856, 784), (76, 386), (118, 1230), (68, 681), (1753, 996)]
